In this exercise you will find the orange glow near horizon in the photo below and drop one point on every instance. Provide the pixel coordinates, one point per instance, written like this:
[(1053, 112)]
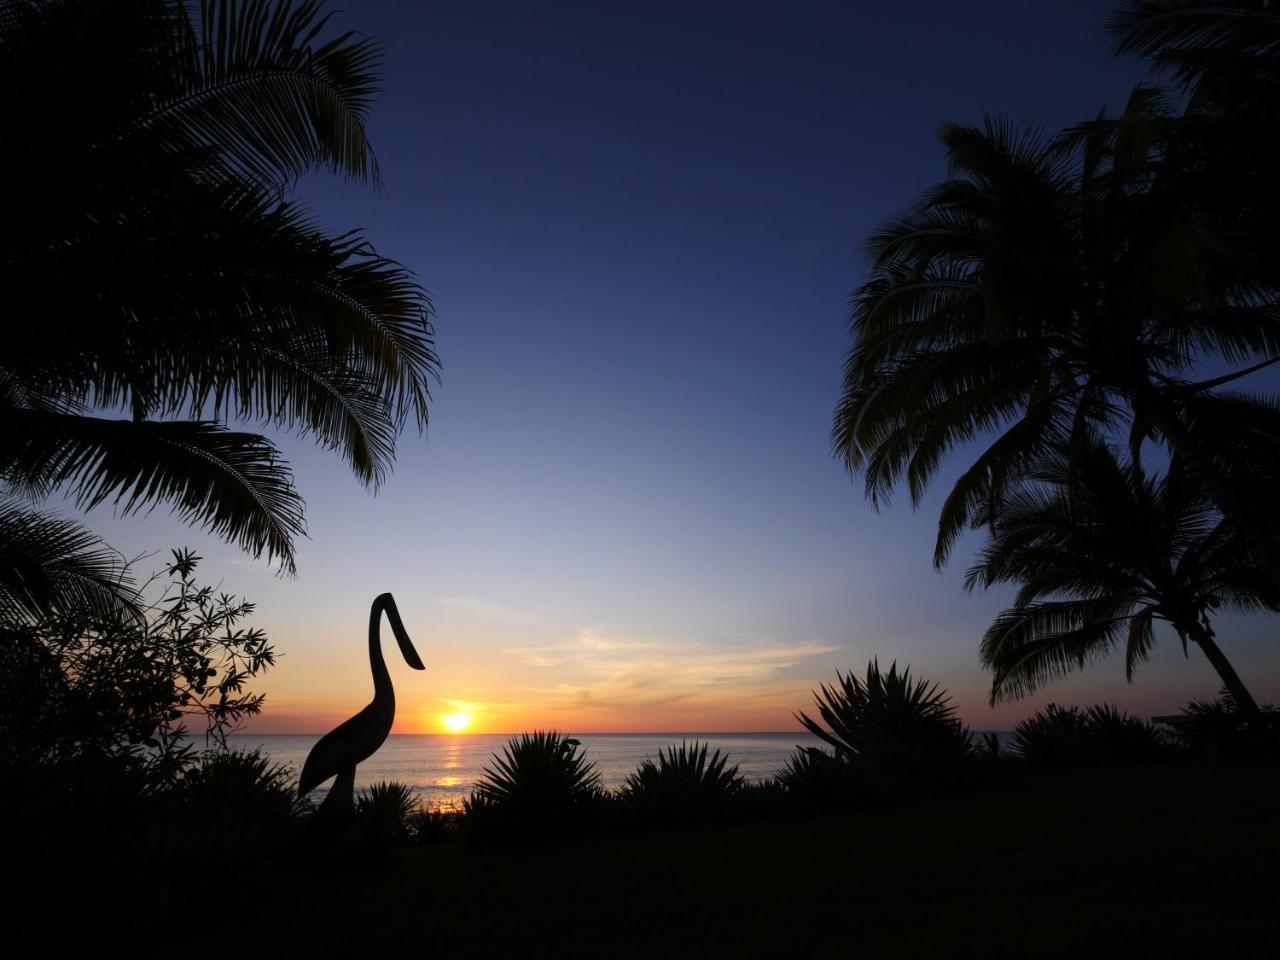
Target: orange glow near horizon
[(497, 682)]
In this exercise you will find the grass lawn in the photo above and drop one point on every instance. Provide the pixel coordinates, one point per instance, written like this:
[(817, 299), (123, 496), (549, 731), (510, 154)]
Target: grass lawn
[(1141, 862)]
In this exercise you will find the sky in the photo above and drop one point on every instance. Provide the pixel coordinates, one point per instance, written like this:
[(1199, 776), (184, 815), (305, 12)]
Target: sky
[(640, 224)]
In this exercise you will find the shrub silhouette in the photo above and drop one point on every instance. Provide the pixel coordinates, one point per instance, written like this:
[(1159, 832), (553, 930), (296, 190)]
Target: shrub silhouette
[(820, 782), (93, 712), (683, 784), (233, 804), (1218, 730), (385, 813), (246, 781), (1052, 736), (898, 732), (540, 784), (77, 684), (1116, 736), (433, 826), (229, 810), (1067, 736)]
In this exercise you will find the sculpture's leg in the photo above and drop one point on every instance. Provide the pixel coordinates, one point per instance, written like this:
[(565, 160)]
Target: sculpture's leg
[(340, 804)]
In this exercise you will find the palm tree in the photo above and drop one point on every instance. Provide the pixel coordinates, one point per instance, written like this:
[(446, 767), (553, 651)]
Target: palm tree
[(1223, 53), (1102, 551), (1217, 163), (157, 266), (1048, 291)]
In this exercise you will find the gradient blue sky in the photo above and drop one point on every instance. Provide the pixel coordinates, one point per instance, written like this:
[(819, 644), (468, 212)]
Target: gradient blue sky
[(640, 224)]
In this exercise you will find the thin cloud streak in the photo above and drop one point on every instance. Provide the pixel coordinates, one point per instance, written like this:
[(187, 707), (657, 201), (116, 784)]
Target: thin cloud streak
[(613, 673)]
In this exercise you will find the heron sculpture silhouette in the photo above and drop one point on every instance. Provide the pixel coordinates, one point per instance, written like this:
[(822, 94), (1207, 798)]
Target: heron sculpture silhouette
[(338, 751)]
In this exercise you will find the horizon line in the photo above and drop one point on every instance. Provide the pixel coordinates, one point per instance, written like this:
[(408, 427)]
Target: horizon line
[(586, 733), (591, 733)]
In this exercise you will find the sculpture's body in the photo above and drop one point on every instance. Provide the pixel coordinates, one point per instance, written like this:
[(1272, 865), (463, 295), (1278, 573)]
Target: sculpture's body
[(338, 751)]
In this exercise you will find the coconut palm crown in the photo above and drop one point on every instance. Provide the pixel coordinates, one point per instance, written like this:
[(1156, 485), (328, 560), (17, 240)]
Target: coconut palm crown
[(1102, 551), (1045, 292), (160, 280)]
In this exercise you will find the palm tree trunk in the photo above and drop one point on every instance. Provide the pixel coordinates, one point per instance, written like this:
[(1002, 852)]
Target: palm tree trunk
[(1245, 703)]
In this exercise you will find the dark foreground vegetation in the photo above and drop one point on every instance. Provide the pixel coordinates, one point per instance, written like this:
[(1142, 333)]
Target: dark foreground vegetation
[(904, 832), (1090, 832), (1162, 860), (1157, 860)]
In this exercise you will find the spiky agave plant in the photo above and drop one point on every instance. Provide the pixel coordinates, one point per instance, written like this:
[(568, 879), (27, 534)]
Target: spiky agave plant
[(433, 826), (684, 783), (817, 781), (896, 730), (1052, 736), (1117, 736), (385, 812), (1103, 733), (541, 779)]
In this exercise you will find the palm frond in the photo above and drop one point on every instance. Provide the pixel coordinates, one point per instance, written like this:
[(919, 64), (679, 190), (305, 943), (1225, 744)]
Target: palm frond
[(258, 85), (1194, 38), (1030, 645), (53, 565), (1044, 293), (234, 484), (232, 304), (180, 283), (1140, 641)]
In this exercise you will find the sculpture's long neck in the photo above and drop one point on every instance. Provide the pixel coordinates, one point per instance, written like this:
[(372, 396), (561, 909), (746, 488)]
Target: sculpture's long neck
[(382, 690)]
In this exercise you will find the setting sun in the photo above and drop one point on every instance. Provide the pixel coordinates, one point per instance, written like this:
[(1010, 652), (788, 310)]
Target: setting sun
[(456, 722)]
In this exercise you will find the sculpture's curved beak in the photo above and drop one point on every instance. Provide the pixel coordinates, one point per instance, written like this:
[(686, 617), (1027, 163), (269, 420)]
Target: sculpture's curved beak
[(410, 655), (402, 637)]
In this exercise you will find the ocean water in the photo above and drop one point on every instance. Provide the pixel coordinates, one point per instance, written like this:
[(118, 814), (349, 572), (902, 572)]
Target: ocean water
[(442, 768)]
